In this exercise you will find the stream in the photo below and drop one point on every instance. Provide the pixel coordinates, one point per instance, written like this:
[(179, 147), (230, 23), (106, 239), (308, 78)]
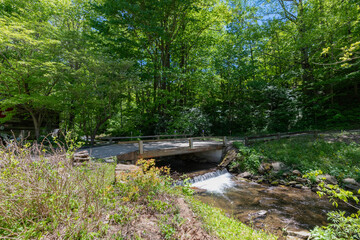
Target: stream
[(281, 210)]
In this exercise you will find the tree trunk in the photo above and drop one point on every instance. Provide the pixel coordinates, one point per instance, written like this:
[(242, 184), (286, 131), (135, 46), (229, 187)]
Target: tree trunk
[(96, 129), (37, 119)]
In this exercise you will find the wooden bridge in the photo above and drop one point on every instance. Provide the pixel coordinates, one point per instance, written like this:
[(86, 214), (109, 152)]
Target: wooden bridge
[(169, 145), (133, 150)]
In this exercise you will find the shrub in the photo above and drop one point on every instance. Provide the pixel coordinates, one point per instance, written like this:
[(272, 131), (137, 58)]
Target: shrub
[(247, 160), (341, 226)]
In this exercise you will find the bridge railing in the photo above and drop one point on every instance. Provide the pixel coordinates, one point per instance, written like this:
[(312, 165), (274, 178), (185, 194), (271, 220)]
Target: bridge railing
[(157, 137), (191, 141)]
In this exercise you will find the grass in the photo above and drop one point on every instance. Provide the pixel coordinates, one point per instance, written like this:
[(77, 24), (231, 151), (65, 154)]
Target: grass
[(42, 196), (224, 227), (339, 159)]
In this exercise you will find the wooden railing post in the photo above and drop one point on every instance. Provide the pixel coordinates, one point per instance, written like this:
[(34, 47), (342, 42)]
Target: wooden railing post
[(224, 140), (141, 147), (246, 141), (191, 143), (278, 136)]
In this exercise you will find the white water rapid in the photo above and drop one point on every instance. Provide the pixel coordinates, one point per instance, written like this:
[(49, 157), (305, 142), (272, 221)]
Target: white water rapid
[(215, 182)]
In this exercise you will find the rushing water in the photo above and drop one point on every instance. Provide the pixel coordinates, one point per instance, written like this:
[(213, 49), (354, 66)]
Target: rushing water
[(215, 182), (266, 207), (260, 205)]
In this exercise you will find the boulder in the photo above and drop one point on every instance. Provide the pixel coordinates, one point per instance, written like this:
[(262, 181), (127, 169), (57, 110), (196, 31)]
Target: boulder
[(298, 186), (351, 184), (245, 175), (278, 166), (327, 178), (296, 173), (264, 168)]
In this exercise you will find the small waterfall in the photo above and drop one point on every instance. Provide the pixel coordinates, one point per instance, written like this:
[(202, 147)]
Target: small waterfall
[(215, 182), (208, 175)]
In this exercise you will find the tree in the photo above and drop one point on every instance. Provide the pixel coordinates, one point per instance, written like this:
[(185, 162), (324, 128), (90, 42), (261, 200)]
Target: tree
[(30, 68)]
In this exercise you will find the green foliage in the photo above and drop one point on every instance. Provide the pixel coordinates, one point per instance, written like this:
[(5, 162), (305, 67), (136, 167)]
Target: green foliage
[(334, 192), (312, 175), (248, 159), (306, 154), (342, 226), (168, 226), (216, 222)]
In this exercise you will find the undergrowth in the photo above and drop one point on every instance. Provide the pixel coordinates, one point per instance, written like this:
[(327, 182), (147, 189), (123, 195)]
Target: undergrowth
[(339, 159), (43, 196)]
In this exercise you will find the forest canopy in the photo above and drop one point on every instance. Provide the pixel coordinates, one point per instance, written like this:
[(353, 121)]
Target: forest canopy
[(151, 67)]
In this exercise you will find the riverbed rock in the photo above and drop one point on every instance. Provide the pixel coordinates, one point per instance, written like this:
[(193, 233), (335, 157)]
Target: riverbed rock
[(255, 177), (301, 180), (264, 168), (274, 183), (292, 183), (296, 173), (351, 184), (245, 175), (298, 186), (327, 178), (300, 234), (286, 174), (316, 189), (282, 182), (242, 179), (259, 214), (278, 166), (260, 180)]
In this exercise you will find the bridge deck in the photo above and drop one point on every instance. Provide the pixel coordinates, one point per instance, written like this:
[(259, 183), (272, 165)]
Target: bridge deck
[(169, 147)]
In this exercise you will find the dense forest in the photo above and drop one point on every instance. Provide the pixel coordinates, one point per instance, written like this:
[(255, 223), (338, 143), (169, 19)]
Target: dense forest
[(124, 67)]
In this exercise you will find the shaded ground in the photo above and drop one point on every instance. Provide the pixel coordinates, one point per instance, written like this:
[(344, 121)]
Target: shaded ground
[(347, 137)]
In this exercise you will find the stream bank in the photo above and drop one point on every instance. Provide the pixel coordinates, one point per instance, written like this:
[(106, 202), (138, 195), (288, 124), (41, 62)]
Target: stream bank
[(289, 213)]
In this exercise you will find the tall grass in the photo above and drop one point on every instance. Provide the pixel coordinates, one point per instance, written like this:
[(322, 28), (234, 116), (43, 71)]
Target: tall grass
[(43, 196)]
